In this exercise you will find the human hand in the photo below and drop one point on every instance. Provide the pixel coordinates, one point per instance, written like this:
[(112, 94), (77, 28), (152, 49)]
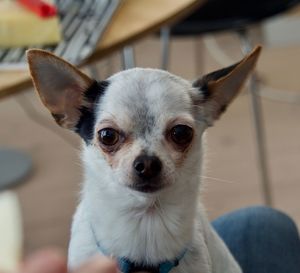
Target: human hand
[(52, 261)]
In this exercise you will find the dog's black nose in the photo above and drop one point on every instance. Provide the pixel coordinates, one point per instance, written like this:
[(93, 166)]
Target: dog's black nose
[(147, 167)]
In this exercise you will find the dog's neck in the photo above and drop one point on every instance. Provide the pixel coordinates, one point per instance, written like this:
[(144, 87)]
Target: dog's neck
[(138, 227)]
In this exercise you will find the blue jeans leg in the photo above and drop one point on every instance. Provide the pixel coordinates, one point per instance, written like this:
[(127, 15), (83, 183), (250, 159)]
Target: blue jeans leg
[(261, 239)]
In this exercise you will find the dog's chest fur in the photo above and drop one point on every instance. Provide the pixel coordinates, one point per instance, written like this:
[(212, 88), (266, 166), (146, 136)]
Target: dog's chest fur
[(142, 235)]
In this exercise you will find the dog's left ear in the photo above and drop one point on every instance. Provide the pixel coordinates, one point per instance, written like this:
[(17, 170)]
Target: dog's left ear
[(219, 88), (61, 86)]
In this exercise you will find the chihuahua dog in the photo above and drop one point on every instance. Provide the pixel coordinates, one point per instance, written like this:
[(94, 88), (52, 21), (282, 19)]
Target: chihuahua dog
[(142, 133)]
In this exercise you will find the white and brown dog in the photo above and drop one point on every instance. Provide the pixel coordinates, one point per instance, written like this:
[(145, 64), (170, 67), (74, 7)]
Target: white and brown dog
[(142, 153)]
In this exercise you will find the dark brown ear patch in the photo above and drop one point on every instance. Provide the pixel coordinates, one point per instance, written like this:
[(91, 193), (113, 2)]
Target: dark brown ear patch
[(202, 83), (86, 123), (95, 91)]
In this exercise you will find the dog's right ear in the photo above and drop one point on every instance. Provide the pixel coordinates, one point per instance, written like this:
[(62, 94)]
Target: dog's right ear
[(219, 88), (61, 86)]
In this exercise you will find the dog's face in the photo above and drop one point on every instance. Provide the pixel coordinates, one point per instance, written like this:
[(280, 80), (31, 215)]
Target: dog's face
[(145, 127), (142, 126)]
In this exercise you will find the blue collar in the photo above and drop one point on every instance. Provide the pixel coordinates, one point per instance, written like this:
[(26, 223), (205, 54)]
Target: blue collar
[(127, 266)]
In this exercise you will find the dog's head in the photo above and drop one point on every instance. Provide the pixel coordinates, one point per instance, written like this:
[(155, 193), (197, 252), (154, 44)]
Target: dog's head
[(141, 127)]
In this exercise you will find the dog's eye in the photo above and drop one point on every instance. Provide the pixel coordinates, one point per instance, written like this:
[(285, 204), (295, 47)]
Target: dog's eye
[(181, 134), (108, 136)]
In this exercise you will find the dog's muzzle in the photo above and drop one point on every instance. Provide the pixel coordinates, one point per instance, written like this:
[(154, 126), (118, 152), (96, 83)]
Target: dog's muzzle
[(147, 170)]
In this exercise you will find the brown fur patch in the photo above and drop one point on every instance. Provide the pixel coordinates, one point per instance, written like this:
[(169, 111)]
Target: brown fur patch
[(115, 158), (178, 156), (114, 154)]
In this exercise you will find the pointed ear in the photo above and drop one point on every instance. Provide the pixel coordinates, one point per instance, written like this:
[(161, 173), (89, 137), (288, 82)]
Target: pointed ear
[(61, 87), (219, 88)]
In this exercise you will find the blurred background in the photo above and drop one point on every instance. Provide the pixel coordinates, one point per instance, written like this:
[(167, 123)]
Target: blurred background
[(48, 191)]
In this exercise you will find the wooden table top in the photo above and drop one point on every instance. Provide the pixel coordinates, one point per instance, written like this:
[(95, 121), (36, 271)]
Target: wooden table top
[(133, 20)]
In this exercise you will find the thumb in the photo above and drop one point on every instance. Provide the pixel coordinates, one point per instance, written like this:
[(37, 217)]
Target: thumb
[(98, 264), (44, 261)]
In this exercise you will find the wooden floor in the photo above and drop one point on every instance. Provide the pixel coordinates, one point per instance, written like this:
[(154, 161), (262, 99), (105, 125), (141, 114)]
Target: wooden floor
[(49, 196)]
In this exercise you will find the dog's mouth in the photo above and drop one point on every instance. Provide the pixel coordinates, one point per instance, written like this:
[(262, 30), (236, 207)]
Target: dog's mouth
[(146, 187)]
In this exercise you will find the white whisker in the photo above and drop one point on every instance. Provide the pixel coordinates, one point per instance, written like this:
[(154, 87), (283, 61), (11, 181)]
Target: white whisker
[(218, 179)]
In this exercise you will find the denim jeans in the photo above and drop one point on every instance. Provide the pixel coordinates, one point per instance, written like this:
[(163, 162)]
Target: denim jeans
[(261, 239)]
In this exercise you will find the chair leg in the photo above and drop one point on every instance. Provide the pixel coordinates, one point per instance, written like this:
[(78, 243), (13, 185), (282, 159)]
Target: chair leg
[(165, 47), (199, 56), (109, 65), (258, 125), (93, 70), (128, 57)]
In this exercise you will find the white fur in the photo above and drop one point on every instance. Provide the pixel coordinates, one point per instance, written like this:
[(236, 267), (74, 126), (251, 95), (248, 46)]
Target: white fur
[(147, 227)]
